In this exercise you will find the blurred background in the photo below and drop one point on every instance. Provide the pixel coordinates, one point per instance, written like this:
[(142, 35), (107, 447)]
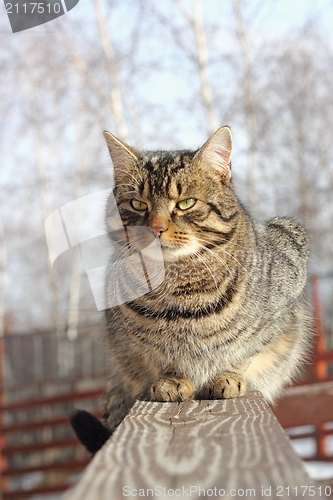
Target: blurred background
[(161, 75)]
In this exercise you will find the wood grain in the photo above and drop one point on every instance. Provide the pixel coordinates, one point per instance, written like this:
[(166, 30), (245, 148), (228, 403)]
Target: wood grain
[(233, 445)]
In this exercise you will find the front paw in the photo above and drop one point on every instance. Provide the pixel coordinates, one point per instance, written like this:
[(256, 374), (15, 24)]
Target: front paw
[(225, 386), (172, 389)]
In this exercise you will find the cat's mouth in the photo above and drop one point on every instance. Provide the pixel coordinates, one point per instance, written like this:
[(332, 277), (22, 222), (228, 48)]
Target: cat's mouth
[(172, 252)]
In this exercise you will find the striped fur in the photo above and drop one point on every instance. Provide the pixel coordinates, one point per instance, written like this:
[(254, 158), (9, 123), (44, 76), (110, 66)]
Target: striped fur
[(230, 313)]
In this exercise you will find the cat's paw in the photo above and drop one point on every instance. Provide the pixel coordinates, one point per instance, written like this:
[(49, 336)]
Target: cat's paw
[(225, 386), (172, 389)]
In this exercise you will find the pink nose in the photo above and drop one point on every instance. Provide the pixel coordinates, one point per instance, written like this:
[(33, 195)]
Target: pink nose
[(159, 223), (159, 229)]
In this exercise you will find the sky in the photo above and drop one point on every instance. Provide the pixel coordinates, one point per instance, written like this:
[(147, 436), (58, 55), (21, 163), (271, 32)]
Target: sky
[(276, 17)]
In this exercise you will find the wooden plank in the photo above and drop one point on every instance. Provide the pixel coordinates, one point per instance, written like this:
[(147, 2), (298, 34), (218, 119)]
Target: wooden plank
[(40, 424), (42, 490), (303, 435), (312, 379), (35, 424), (233, 448), (306, 405), (67, 466), (44, 445), (20, 386), (325, 356), (51, 400)]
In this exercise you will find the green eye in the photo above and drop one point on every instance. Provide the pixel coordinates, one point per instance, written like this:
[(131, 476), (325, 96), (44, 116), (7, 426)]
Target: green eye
[(186, 204), (138, 205)]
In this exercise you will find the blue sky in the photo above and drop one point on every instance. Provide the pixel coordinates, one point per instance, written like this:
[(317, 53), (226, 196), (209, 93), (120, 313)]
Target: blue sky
[(276, 16)]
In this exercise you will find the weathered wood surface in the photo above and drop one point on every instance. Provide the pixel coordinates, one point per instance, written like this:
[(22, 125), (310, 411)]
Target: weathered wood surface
[(229, 448)]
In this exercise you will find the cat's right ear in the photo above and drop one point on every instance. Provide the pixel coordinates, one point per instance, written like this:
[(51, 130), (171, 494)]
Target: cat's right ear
[(216, 153), (121, 154)]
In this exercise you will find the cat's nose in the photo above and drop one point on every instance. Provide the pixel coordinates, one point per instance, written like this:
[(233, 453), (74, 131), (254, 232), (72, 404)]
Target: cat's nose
[(159, 224), (160, 229)]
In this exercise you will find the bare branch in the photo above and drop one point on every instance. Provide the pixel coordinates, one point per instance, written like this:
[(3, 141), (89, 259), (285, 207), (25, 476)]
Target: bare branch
[(116, 101), (83, 69), (196, 22), (3, 263), (75, 283), (184, 11), (251, 121), (206, 89)]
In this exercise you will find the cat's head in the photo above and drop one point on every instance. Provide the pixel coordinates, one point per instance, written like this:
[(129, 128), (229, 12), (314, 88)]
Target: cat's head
[(186, 197)]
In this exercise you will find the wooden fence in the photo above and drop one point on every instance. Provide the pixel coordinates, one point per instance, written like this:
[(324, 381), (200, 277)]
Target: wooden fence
[(47, 376), (42, 445), (311, 406), (38, 451), (302, 405)]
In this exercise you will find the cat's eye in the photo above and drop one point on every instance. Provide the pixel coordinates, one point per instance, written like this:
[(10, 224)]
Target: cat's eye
[(186, 204), (138, 205)]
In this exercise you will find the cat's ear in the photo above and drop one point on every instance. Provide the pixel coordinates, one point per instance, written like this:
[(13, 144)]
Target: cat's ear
[(121, 154), (216, 152)]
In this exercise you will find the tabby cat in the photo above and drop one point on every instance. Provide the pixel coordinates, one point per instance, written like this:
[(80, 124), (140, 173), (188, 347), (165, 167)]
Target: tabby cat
[(229, 315)]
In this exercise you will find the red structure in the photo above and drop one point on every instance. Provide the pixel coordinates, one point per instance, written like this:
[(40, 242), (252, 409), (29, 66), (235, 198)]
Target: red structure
[(310, 402), (50, 376), (47, 377)]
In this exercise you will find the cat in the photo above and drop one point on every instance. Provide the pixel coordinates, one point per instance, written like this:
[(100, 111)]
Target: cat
[(230, 314)]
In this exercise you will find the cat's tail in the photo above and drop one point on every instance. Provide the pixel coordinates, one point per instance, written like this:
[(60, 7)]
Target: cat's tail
[(89, 430)]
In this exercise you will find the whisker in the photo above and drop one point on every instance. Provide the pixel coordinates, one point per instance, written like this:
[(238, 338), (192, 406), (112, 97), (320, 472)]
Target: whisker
[(123, 170), (223, 262), (215, 254), (206, 265)]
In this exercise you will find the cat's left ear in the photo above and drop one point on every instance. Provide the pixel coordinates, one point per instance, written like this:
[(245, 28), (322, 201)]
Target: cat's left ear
[(121, 154), (216, 152)]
